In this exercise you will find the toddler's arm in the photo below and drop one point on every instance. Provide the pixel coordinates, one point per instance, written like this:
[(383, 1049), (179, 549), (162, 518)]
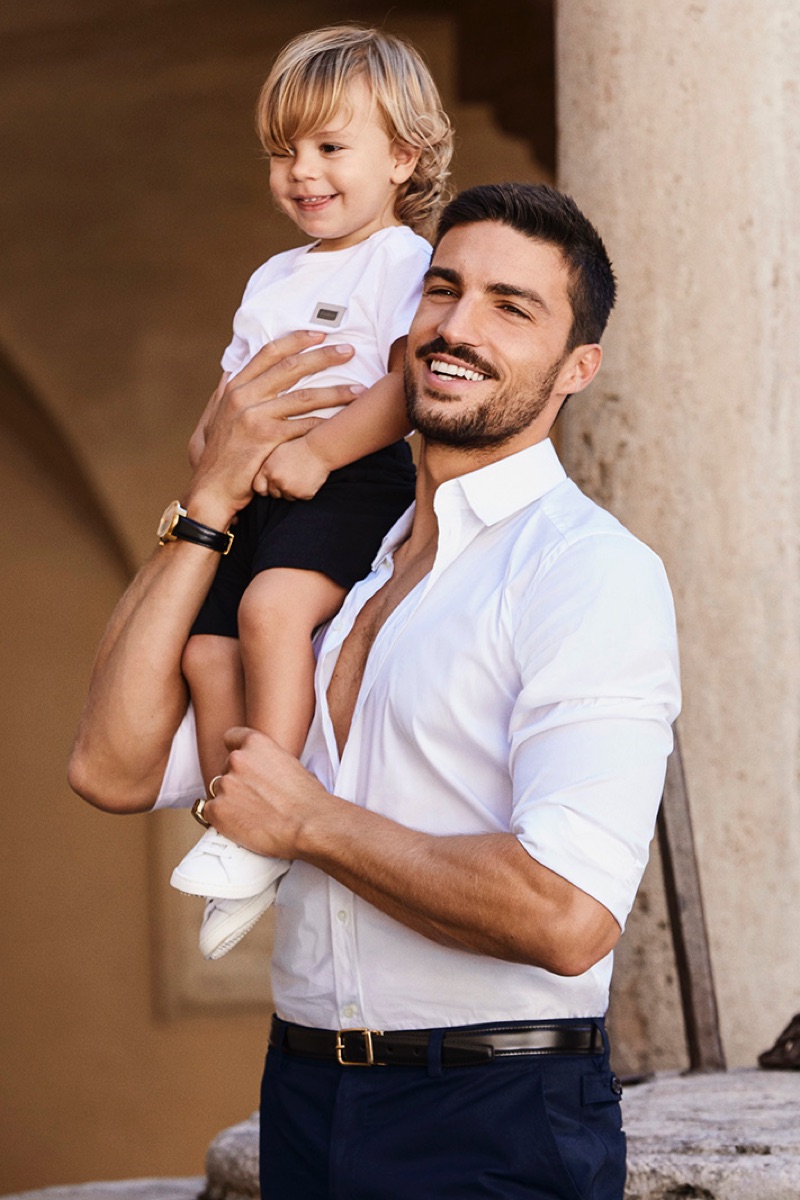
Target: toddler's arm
[(376, 418)]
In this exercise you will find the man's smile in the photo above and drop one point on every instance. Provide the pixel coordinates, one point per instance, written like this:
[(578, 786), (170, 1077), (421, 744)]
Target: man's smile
[(447, 363), (448, 369)]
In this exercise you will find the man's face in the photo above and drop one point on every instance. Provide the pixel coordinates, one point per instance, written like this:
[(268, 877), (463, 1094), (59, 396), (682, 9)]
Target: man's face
[(486, 349)]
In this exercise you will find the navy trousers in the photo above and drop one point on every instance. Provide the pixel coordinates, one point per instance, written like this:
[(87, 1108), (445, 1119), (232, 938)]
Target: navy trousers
[(536, 1127)]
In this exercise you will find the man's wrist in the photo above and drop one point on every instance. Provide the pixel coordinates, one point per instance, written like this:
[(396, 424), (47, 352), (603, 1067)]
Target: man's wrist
[(208, 508)]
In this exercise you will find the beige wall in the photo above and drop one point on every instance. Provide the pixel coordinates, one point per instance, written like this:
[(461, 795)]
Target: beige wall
[(134, 206)]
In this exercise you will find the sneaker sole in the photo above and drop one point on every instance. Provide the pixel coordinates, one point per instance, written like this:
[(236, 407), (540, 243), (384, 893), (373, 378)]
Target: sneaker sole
[(232, 927)]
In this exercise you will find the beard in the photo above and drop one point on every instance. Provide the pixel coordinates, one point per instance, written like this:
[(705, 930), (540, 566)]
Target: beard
[(508, 411)]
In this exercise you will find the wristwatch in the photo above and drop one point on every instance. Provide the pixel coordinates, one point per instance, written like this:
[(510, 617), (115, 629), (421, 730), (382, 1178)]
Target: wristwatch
[(175, 525)]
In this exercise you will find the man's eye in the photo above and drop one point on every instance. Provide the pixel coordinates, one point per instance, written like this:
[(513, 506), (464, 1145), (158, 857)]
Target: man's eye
[(438, 289), (514, 311)]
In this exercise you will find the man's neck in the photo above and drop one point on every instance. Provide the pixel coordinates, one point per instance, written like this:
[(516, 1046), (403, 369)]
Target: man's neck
[(437, 463)]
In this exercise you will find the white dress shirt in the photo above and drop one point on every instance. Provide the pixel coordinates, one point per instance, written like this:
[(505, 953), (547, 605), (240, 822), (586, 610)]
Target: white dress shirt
[(528, 683)]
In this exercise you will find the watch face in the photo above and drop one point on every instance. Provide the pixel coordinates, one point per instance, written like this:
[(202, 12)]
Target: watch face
[(169, 519)]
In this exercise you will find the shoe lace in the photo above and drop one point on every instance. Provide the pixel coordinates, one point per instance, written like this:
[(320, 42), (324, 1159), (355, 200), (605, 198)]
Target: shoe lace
[(217, 845)]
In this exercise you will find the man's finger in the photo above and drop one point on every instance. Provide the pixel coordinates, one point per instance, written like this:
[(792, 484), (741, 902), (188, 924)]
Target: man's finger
[(236, 737), (274, 352), (303, 425), (310, 398), (270, 376)]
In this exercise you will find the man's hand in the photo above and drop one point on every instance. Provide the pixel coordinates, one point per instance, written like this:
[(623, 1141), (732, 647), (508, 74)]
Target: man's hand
[(250, 419), (265, 796), (293, 471)]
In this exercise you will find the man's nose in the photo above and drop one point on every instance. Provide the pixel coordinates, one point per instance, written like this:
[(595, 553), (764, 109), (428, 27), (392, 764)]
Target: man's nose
[(458, 323)]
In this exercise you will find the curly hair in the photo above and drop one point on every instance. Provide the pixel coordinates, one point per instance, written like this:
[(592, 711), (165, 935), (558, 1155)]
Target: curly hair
[(307, 85)]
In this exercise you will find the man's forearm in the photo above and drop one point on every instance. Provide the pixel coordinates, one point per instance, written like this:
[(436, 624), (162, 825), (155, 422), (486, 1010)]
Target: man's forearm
[(480, 892), (137, 695)]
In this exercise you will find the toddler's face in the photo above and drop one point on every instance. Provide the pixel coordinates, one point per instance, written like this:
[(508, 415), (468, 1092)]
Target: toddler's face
[(339, 184)]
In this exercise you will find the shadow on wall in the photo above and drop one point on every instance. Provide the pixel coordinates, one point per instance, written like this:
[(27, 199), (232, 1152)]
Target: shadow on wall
[(25, 419)]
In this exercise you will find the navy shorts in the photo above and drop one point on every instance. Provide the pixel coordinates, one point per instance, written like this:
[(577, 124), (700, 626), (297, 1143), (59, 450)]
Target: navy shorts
[(538, 1127), (337, 533)]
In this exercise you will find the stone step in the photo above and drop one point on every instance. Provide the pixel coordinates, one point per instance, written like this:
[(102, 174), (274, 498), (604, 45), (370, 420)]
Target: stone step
[(732, 1135)]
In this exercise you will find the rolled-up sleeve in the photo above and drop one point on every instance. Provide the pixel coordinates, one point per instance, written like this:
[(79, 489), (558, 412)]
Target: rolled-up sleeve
[(183, 780), (591, 730)]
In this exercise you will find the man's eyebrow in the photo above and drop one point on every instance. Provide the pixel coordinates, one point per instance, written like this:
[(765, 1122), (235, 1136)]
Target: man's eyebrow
[(509, 289), (444, 273)]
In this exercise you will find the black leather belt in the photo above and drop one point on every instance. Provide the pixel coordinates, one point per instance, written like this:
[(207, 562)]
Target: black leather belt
[(459, 1047)]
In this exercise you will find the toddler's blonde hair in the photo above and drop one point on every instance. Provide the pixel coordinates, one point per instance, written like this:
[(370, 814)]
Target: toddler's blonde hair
[(307, 85)]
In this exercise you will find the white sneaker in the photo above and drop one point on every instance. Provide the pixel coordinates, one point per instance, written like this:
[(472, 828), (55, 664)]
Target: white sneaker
[(225, 922), (218, 867)]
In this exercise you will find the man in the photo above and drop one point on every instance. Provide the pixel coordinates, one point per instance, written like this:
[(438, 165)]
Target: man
[(481, 778)]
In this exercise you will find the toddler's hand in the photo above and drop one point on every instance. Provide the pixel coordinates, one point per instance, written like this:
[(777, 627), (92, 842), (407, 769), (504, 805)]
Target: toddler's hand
[(293, 472)]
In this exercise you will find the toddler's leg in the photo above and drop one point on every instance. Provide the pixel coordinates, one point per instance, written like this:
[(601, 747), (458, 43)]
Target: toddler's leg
[(212, 667), (241, 883), (277, 616)]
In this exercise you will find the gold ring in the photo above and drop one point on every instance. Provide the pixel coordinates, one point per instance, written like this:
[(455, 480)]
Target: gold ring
[(212, 786), (197, 812)]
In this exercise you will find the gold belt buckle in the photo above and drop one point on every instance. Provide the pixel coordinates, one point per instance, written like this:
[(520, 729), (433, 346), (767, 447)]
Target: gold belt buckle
[(341, 1034)]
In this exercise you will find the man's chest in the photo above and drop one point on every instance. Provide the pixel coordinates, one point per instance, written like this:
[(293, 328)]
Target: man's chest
[(348, 674), (420, 700)]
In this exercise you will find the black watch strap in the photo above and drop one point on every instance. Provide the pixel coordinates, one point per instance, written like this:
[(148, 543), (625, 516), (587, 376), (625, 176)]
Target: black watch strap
[(202, 535), (176, 525)]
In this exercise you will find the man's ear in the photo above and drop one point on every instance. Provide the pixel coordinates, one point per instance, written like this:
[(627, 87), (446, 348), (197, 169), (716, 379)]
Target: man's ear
[(580, 369), (405, 160)]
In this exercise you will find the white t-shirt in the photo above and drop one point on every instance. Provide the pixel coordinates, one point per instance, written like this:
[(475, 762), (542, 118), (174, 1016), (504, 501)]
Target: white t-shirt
[(527, 684), (365, 295)]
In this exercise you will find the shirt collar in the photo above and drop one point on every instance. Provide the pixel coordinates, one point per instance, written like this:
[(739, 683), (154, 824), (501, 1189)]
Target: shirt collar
[(493, 492), (504, 487)]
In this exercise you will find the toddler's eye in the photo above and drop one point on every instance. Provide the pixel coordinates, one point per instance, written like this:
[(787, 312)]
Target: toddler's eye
[(330, 148)]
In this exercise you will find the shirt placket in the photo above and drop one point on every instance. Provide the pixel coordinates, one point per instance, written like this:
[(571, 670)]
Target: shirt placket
[(341, 901), (458, 525)]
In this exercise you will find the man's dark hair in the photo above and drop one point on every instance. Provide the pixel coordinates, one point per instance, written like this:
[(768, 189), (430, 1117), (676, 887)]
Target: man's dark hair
[(546, 215)]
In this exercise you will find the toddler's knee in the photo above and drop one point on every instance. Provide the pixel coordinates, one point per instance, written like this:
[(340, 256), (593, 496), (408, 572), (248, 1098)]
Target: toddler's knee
[(205, 653), (265, 607), (282, 602)]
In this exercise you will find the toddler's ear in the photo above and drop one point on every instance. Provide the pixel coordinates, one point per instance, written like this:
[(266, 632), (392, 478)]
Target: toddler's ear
[(405, 160)]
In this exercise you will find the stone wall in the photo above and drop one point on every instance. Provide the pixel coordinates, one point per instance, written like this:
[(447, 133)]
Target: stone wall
[(678, 132)]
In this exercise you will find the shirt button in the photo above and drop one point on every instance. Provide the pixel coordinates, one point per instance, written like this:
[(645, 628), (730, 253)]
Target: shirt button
[(349, 1011), (342, 915)]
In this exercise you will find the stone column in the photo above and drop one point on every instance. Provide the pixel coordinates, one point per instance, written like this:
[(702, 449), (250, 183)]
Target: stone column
[(679, 134)]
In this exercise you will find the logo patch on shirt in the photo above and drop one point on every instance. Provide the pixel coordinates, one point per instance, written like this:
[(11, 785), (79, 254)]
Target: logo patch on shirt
[(330, 315)]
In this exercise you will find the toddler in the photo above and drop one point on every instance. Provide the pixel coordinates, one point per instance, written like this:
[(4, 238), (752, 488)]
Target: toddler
[(359, 149)]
